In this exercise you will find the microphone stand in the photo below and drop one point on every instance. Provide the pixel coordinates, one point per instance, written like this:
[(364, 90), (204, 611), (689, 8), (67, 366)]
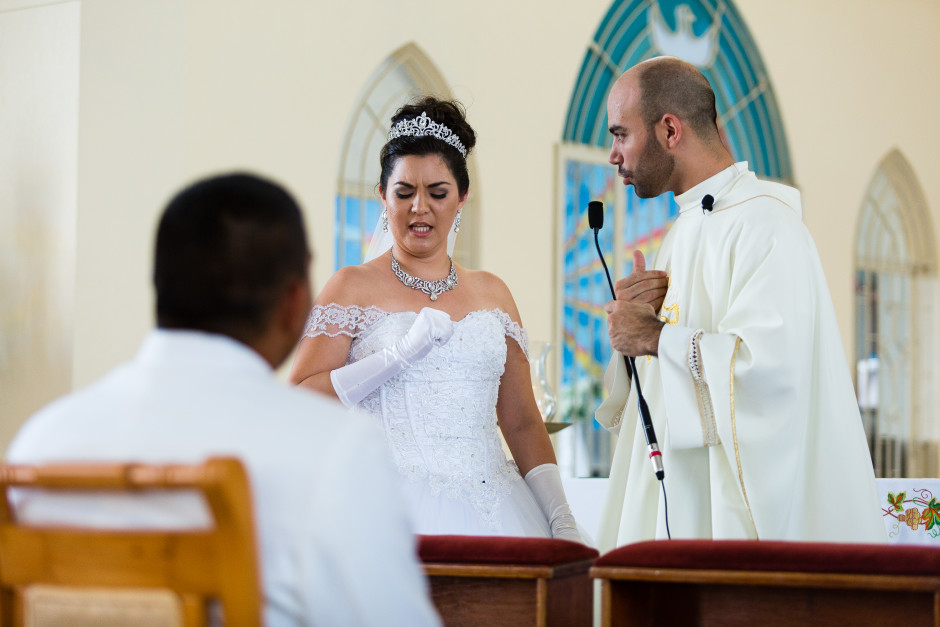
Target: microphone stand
[(596, 222), (656, 456)]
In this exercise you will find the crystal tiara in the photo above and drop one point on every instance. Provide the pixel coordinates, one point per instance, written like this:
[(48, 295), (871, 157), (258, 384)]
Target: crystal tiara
[(422, 126)]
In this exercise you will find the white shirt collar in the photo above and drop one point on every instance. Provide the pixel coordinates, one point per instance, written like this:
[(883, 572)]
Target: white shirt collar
[(195, 350), (714, 185)]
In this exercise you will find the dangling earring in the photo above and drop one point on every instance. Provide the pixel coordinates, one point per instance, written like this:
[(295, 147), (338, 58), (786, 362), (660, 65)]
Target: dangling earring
[(385, 221), (457, 222)]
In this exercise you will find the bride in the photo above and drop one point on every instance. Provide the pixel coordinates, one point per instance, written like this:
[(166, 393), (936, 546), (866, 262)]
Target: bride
[(436, 352)]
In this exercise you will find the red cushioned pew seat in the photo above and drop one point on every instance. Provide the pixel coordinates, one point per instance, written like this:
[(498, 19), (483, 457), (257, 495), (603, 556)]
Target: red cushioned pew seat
[(491, 581), (749, 582)]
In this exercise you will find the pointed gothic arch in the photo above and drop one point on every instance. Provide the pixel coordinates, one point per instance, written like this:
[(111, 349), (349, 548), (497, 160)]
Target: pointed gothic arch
[(895, 315), (408, 73)]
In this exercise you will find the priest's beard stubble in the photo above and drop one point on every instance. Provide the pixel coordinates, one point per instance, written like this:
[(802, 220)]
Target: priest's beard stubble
[(653, 169)]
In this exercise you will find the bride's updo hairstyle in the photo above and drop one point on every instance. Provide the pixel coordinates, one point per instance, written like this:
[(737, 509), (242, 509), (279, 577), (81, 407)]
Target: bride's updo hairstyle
[(452, 138)]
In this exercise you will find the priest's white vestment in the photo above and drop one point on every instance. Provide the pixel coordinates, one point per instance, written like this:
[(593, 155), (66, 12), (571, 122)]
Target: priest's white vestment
[(750, 396)]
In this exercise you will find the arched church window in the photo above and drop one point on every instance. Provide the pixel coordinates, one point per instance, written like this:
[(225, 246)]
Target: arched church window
[(711, 35), (405, 75), (895, 316)]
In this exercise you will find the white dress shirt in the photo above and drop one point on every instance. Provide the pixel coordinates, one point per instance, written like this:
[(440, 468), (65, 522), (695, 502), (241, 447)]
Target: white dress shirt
[(336, 547)]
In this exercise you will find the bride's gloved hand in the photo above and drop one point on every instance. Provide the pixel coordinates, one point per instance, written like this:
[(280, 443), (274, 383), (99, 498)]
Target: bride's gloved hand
[(354, 382), (545, 483)]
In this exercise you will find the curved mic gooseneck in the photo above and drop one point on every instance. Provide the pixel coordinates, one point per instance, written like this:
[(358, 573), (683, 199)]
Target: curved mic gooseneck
[(596, 222)]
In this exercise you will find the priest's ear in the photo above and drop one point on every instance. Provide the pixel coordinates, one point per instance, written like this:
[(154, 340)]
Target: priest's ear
[(669, 131)]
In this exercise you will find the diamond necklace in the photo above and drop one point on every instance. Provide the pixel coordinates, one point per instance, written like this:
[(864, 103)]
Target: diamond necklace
[(431, 288)]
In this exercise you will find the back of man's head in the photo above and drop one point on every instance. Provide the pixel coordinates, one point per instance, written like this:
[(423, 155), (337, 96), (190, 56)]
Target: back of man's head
[(671, 85), (227, 249)]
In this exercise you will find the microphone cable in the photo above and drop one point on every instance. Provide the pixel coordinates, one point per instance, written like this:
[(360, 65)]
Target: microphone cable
[(596, 222)]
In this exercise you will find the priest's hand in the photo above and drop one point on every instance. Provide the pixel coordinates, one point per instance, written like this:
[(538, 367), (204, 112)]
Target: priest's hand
[(634, 328), (642, 285)]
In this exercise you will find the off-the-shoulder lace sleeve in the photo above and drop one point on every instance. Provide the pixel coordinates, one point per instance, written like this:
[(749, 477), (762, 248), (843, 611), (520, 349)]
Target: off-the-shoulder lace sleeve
[(515, 331), (333, 320)]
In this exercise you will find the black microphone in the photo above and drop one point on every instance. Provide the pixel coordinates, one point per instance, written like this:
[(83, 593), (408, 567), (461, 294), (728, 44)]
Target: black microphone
[(596, 216), (707, 203), (596, 222)]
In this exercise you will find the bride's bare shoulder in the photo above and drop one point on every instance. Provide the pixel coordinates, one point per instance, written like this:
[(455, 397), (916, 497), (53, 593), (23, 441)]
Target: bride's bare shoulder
[(352, 285), (493, 289), (482, 279)]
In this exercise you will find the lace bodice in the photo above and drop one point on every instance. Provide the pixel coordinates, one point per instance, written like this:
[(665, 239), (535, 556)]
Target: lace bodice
[(439, 415)]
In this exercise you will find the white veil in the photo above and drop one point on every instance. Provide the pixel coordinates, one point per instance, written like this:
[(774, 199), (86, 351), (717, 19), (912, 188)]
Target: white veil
[(383, 240)]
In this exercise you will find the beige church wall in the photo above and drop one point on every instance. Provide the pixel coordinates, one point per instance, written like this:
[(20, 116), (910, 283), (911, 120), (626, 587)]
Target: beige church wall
[(854, 80), (172, 90), (133, 138), (38, 154)]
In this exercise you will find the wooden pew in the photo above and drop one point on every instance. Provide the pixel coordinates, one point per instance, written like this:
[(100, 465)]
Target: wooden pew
[(741, 582), (69, 575), (492, 581)]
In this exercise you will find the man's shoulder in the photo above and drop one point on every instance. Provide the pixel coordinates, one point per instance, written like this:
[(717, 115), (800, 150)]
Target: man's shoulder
[(61, 415), (760, 215), (755, 206), (770, 194), (132, 399)]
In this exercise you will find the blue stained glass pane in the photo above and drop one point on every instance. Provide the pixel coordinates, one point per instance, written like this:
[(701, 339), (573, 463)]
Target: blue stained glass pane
[(352, 216), (643, 213), (567, 361), (373, 210), (584, 195), (629, 224), (584, 329), (355, 222), (575, 114), (627, 34), (351, 252), (337, 244), (570, 292)]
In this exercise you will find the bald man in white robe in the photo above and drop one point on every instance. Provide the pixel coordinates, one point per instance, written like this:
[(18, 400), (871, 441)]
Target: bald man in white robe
[(738, 351)]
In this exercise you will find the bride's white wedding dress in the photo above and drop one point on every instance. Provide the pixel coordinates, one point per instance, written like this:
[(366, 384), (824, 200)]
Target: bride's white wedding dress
[(439, 418)]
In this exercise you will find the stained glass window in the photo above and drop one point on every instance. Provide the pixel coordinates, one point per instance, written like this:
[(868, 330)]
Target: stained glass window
[(585, 347)]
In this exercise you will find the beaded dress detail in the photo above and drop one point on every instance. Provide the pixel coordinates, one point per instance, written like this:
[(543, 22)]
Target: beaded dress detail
[(439, 417)]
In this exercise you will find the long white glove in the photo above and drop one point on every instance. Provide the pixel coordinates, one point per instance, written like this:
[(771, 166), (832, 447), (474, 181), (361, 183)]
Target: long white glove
[(545, 483), (354, 382)]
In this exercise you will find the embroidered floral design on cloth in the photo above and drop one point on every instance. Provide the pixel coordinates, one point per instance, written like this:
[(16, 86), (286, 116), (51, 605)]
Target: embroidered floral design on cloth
[(334, 320), (926, 520)]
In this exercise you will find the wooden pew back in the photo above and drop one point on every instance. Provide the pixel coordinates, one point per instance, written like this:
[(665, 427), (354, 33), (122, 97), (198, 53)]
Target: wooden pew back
[(57, 566)]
